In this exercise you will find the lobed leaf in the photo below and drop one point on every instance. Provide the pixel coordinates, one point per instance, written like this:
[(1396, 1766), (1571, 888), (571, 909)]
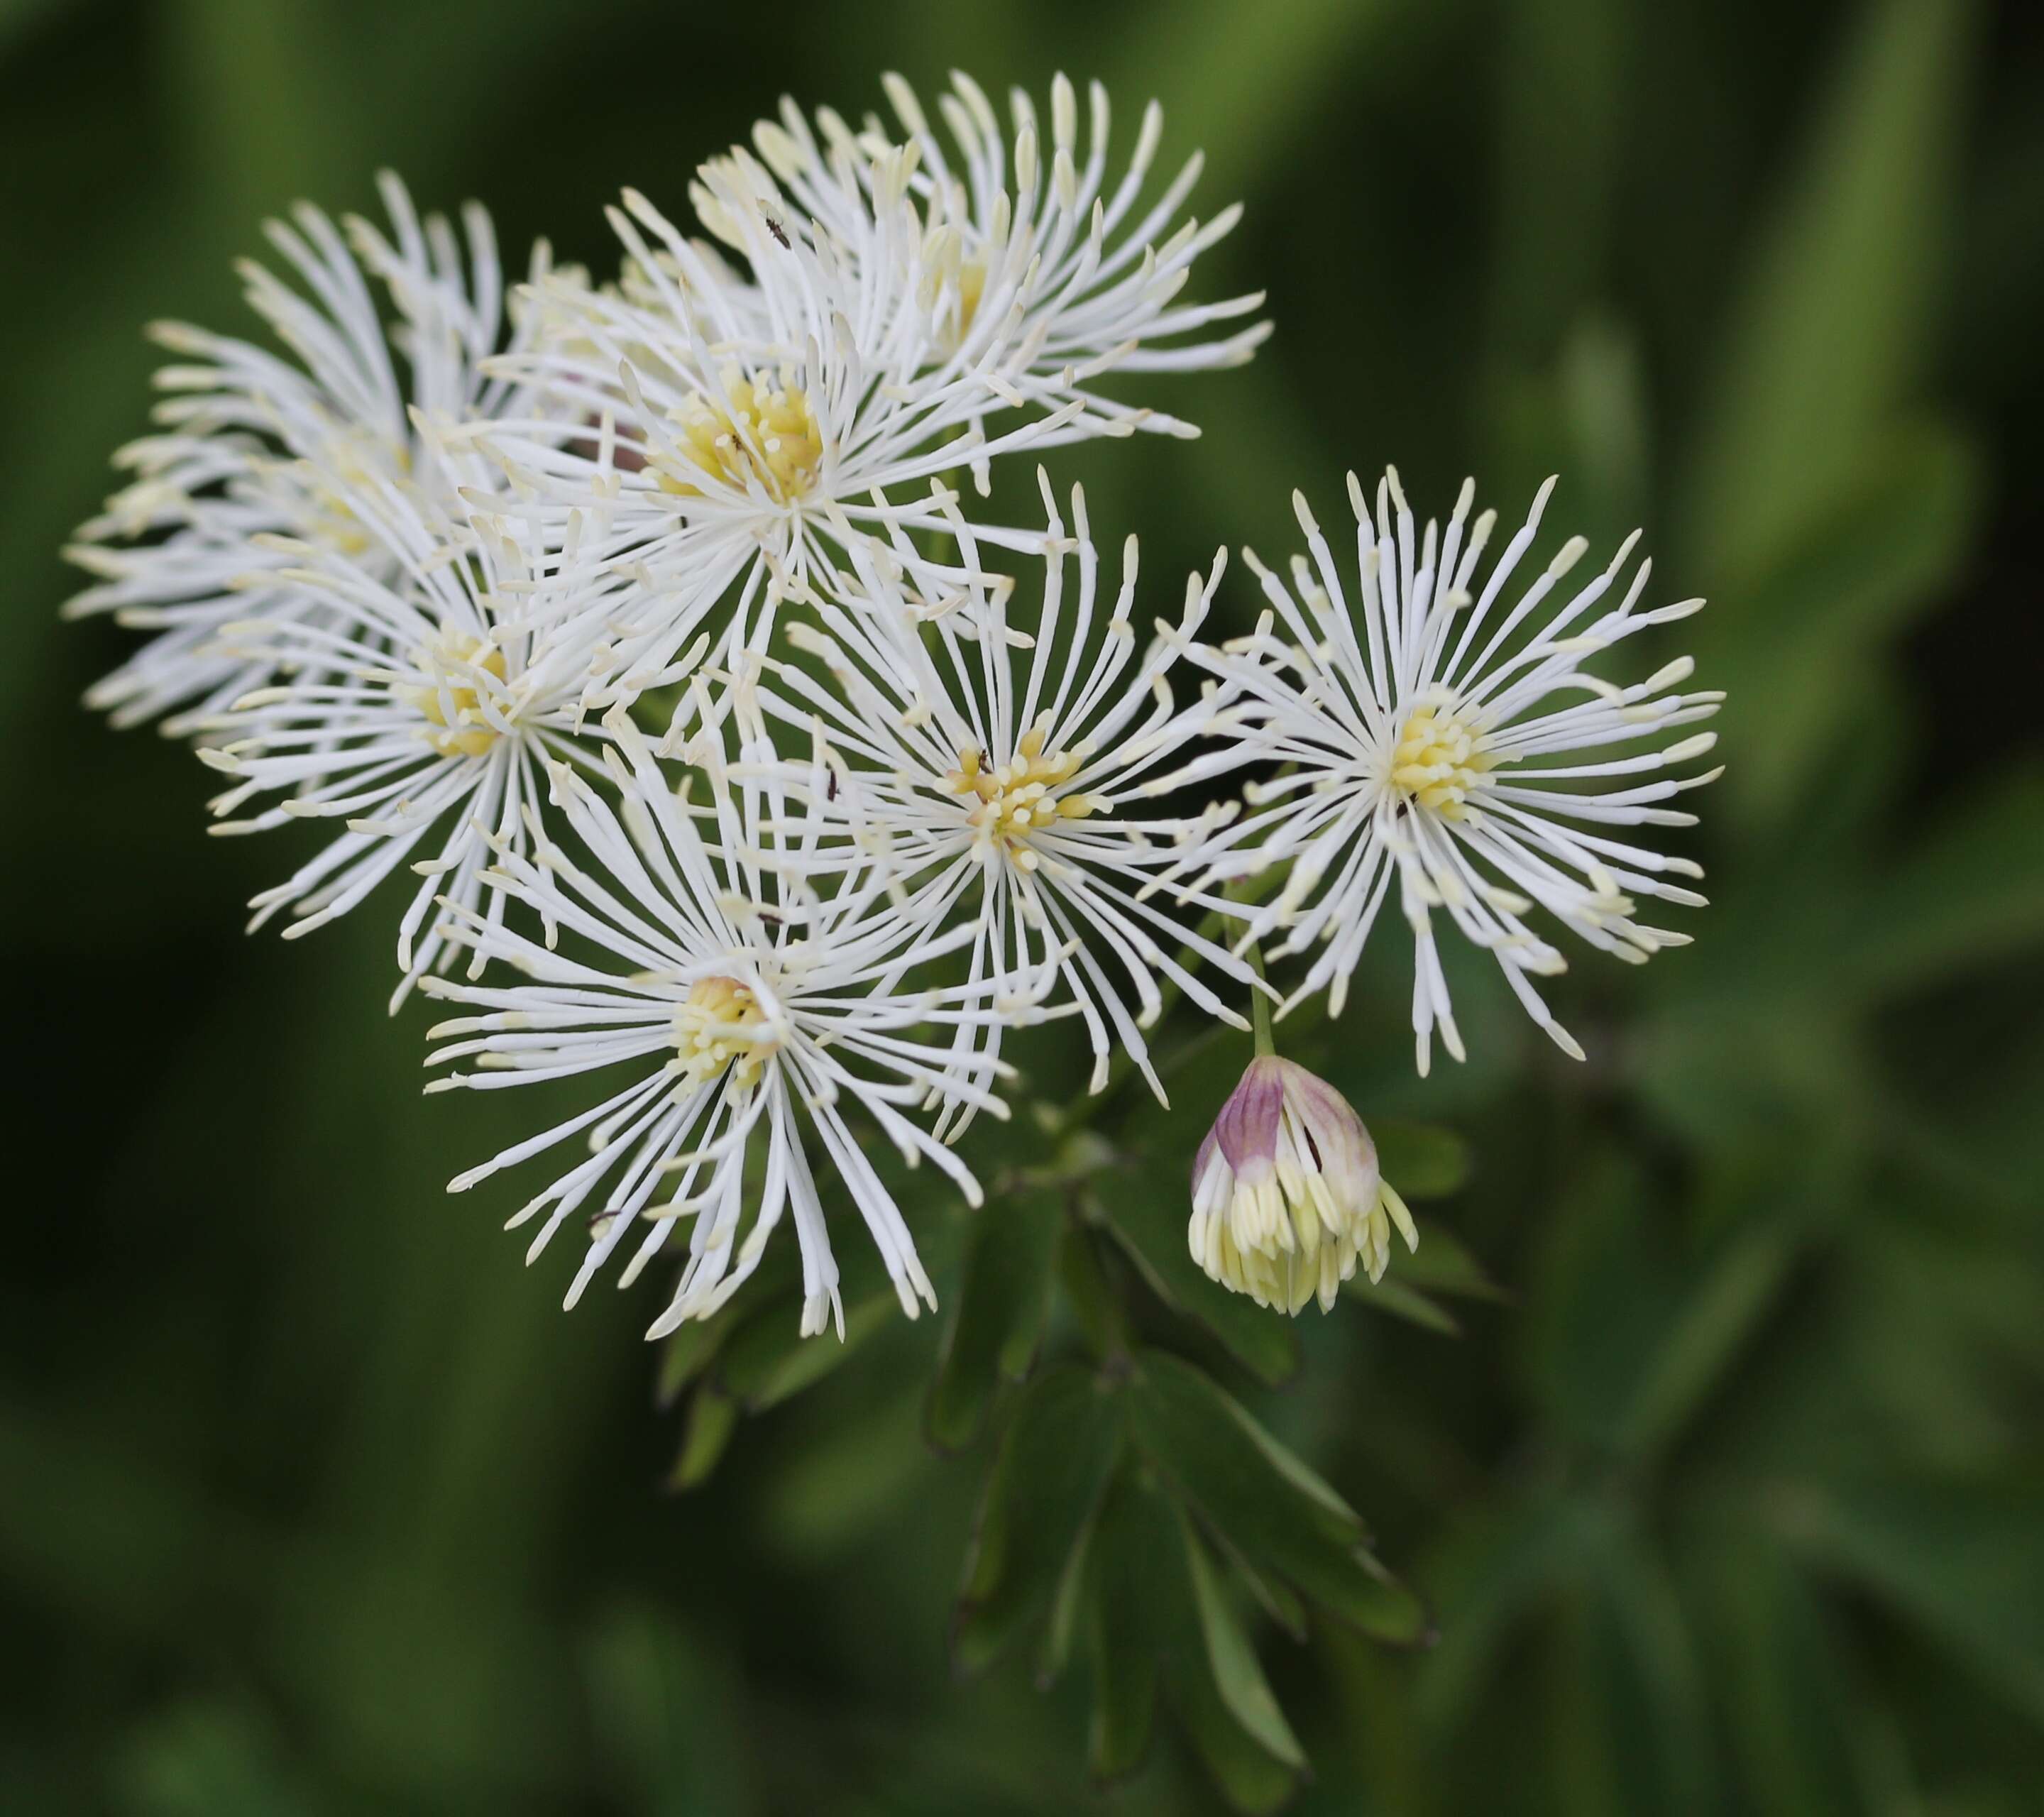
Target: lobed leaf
[(1056, 1457), (1003, 1304), (1264, 1500)]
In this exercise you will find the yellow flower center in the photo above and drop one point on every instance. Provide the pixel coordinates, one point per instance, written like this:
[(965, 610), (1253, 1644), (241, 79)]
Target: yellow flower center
[(1439, 761), (1011, 801), (361, 459), (713, 1029), (958, 276), (770, 434), (971, 287), (466, 732)]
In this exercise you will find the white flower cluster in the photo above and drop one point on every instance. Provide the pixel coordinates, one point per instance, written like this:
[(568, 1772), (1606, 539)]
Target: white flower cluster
[(655, 626)]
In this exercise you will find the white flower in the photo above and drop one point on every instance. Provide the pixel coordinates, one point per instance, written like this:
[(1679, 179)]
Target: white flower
[(1024, 803), (255, 444), (751, 1017), (1287, 1198), (1432, 738), (430, 700), (748, 431), (1018, 248)]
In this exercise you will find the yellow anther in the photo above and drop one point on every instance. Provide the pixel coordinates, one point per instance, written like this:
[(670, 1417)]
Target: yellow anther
[(960, 278), (714, 1029), (1439, 761), (971, 287), (769, 434), (358, 460), (468, 733), (1020, 796)]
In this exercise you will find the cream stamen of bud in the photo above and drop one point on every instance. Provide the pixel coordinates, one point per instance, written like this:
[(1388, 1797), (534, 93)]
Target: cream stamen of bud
[(770, 433), (1014, 799), (717, 1026), (1287, 1198)]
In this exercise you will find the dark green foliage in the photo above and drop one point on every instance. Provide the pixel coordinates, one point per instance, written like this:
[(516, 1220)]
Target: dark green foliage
[(1145, 1210), (1002, 1304), (1056, 1459), (1726, 1497)]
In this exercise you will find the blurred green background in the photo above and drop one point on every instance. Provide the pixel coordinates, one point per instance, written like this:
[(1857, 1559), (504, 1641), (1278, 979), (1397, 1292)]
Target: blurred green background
[(313, 1501)]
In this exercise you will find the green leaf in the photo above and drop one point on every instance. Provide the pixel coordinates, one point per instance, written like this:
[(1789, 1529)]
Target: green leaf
[(1003, 1303), (211, 1758), (1276, 1599), (1494, 1574), (666, 1719), (769, 1359), (1961, 1558), (1634, 1733), (1238, 1675), (852, 1469), (1094, 1298), (1795, 658), (1148, 1213), (1263, 1499), (1160, 1609), (1444, 1264), (1124, 1628), (1253, 1776), (1601, 380), (686, 1352), (1250, 1777), (1248, 106), (1781, 1679), (1056, 1457), (1422, 1160), (1971, 893), (1828, 335), (1392, 1296), (1605, 1291), (1703, 1342), (1060, 1627), (1561, 117), (712, 1417)]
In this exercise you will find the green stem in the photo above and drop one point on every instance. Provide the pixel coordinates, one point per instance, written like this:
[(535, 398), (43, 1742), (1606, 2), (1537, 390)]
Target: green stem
[(1259, 1008)]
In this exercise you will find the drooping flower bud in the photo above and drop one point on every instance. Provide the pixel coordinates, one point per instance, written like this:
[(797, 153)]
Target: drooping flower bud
[(1287, 1198)]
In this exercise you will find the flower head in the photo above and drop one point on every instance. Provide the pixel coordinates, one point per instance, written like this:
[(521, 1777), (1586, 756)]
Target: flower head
[(429, 700), (1287, 1199), (253, 445), (1017, 241), (753, 1002), (750, 429), (1008, 776), (1432, 738)]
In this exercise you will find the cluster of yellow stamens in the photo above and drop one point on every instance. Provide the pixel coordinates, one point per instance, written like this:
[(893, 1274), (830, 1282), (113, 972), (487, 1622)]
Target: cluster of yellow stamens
[(467, 733), (359, 459), (769, 434), (958, 277), (971, 276), (1438, 761), (1014, 799), (713, 1029), (971, 287)]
